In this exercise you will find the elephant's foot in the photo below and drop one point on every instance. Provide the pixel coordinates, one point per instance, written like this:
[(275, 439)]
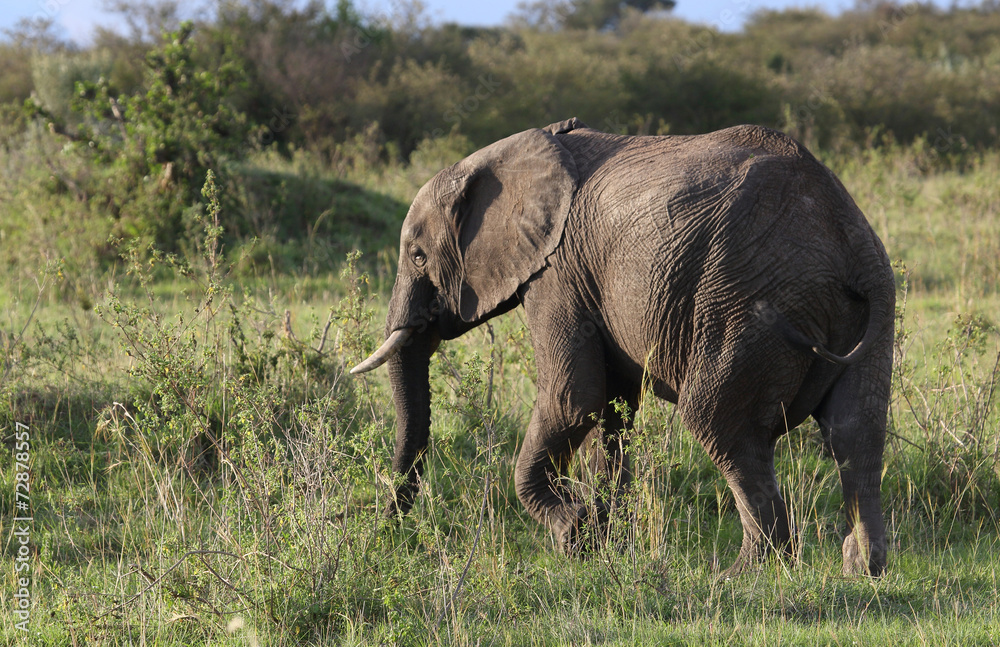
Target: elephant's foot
[(741, 566), (758, 549), (863, 556)]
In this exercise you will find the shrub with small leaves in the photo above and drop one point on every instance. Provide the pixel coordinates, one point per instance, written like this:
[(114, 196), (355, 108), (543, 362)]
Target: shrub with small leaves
[(152, 148)]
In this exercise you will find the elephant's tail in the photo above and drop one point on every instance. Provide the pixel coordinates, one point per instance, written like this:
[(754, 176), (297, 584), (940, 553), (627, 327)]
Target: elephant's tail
[(873, 281), (870, 279), (881, 298), (876, 317), (777, 321)]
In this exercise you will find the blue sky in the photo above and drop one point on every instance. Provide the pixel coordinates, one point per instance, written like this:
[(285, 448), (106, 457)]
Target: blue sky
[(78, 17)]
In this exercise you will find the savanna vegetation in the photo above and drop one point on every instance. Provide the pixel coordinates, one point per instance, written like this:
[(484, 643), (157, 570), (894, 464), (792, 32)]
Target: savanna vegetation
[(198, 230)]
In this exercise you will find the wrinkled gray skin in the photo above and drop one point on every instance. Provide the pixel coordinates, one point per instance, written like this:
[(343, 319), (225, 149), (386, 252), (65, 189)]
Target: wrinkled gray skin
[(731, 271)]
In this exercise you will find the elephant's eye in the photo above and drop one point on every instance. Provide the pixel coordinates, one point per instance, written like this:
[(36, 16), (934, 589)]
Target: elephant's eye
[(419, 258)]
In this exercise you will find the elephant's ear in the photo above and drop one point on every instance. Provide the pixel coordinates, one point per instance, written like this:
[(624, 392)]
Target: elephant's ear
[(510, 204)]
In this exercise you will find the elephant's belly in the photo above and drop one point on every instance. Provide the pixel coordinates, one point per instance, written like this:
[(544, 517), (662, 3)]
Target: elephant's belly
[(663, 391), (637, 355)]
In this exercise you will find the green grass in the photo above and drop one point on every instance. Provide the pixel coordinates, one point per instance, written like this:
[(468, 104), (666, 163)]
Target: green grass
[(200, 476)]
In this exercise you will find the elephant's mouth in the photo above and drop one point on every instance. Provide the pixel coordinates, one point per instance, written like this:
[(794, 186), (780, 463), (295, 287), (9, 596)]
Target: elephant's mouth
[(390, 347)]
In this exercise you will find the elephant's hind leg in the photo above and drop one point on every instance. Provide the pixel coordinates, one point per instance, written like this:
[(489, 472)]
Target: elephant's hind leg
[(733, 406), (747, 462), (853, 418), (749, 470), (610, 470)]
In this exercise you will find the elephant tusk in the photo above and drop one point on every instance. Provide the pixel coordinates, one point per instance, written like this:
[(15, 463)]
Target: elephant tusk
[(389, 348)]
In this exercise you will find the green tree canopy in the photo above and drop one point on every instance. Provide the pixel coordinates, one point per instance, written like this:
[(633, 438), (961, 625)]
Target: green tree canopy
[(586, 14)]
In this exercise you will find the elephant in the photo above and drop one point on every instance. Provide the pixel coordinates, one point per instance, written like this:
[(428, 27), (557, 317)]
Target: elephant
[(729, 273)]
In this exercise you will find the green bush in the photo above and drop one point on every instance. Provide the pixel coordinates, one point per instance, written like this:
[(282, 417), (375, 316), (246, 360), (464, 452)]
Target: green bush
[(55, 77), (151, 149), (410, 102), (701, 95)]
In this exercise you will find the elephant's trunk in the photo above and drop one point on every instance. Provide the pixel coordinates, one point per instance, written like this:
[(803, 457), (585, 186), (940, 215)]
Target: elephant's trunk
[(411, 339), (408, 375)]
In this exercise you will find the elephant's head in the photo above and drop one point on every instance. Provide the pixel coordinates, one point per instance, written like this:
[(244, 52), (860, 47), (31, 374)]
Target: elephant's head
[(475, 234)]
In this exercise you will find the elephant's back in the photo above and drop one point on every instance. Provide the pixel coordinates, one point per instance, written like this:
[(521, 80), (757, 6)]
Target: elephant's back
[(680, 231)]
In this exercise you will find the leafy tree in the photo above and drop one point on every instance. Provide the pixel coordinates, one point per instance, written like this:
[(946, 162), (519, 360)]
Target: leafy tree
[(303, 64), (147, 20), (154, 146), (30, 38), (35, 35), (586, 14)]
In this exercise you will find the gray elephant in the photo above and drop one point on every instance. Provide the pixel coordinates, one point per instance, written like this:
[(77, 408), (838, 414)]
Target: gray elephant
[(729, 272)]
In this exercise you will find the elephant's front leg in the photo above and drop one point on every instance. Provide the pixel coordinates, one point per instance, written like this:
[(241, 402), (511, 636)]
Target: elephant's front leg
[(566, 411)]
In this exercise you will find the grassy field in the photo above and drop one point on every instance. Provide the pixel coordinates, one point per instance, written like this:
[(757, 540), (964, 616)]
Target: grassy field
[(203, 470)]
